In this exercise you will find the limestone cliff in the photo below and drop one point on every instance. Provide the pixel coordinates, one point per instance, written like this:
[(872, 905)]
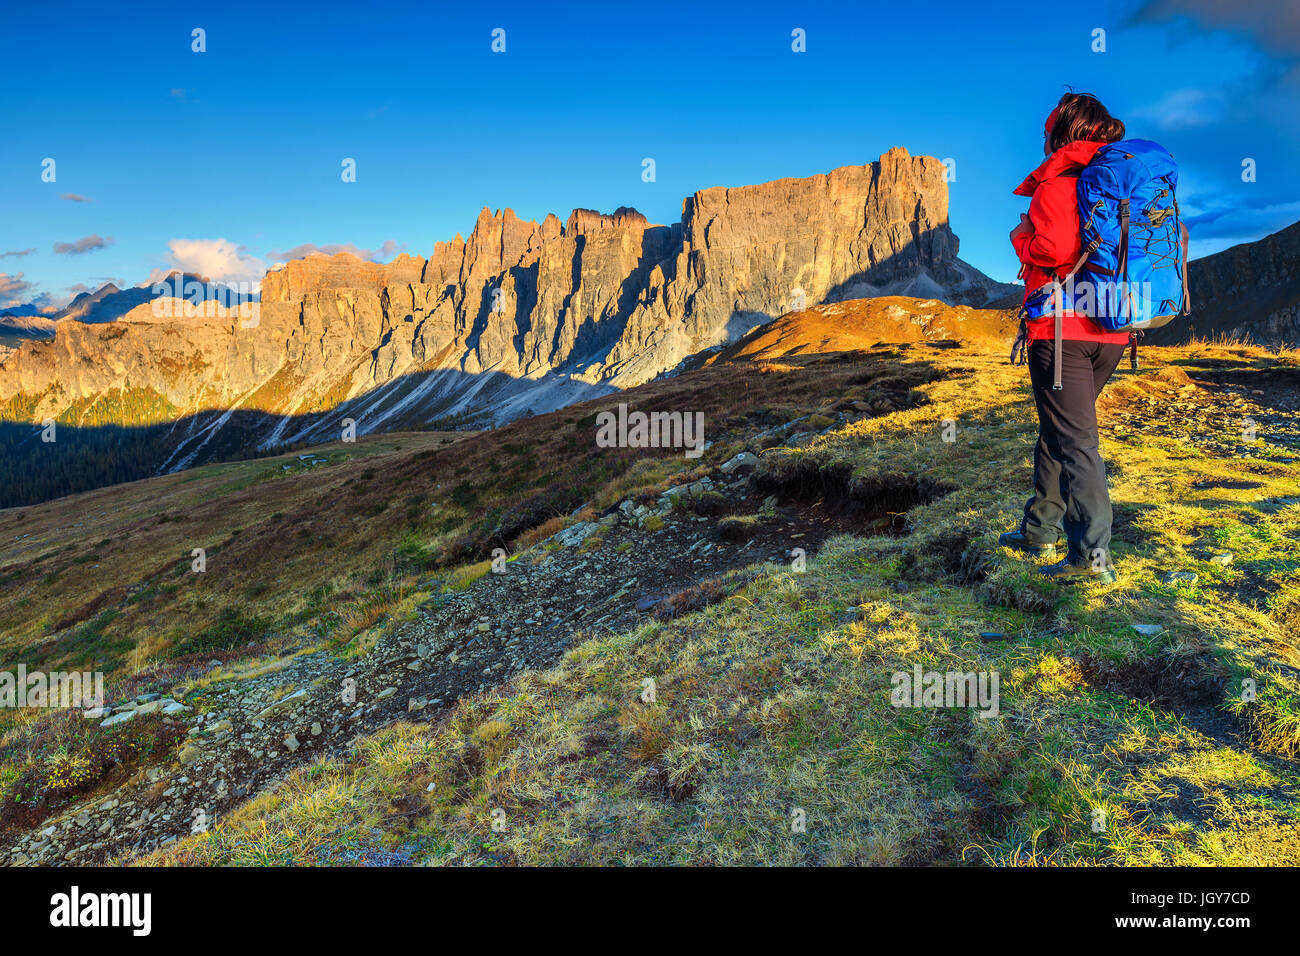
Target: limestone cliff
[(521, 317)]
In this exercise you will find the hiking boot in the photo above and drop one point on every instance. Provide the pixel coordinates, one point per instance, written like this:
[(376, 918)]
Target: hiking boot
[(1018, 541), (1068, 572)]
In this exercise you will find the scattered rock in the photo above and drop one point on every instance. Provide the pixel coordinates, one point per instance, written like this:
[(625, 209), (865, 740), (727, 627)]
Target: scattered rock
[(691, 489), (575, 534), (743, 460), (284, 704)]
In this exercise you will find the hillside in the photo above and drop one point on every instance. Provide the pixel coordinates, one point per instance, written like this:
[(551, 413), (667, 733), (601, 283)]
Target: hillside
[(865, 324), (829, 538), (106, 576)]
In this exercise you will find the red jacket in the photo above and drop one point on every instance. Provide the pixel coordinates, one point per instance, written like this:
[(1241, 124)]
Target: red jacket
[(1052, 244)]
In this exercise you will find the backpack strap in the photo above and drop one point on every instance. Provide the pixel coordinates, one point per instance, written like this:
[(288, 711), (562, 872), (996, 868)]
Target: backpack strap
[(1056, 352), (1088, 250), (1133, 350), (1059, 299), (1121, 262)]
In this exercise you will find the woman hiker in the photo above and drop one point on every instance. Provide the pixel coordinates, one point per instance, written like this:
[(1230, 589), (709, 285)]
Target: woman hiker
[(1070, 499)]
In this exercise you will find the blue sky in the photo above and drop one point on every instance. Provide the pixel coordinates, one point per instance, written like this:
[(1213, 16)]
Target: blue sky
[(225, 160)]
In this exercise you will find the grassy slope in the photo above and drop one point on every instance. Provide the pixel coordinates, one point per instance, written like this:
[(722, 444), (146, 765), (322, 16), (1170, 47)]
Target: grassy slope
[(776, 700), (105, 578)]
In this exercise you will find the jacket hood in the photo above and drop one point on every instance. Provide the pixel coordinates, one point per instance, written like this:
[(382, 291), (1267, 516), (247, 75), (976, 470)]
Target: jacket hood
[(1067, 159)]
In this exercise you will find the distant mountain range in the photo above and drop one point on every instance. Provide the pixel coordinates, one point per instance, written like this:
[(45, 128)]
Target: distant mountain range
[(108, 303), (17, 327)]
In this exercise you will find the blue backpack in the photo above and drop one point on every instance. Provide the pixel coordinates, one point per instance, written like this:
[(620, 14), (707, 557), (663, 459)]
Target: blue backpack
[(1132, 274)]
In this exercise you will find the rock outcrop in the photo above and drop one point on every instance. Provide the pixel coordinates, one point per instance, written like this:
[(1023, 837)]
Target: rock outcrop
[(521, 317), (301, 277)]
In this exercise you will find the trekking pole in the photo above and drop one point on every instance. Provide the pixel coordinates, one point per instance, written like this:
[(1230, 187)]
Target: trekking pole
[(1020, 347)]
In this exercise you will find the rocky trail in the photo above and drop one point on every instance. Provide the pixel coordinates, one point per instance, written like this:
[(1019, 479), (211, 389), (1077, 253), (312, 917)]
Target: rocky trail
[(1220, 407), (242, 735)]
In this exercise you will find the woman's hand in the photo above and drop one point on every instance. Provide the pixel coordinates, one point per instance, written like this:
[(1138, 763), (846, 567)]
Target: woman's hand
[(1021, 227)]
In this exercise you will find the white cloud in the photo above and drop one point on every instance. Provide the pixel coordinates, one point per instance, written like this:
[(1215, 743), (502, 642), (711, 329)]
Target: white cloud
[(1188, 108), (14, 289), (218, 260)]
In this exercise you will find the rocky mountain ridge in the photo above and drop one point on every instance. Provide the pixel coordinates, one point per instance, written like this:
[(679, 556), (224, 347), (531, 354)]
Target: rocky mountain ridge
[(521, 317), (1249, 291)]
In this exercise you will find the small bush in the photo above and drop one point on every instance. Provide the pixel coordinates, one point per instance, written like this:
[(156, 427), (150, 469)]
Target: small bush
[(694, 598), (67, 770)]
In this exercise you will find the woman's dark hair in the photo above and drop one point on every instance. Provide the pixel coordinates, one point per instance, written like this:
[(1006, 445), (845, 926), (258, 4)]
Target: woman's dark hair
[(1081, 116)]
